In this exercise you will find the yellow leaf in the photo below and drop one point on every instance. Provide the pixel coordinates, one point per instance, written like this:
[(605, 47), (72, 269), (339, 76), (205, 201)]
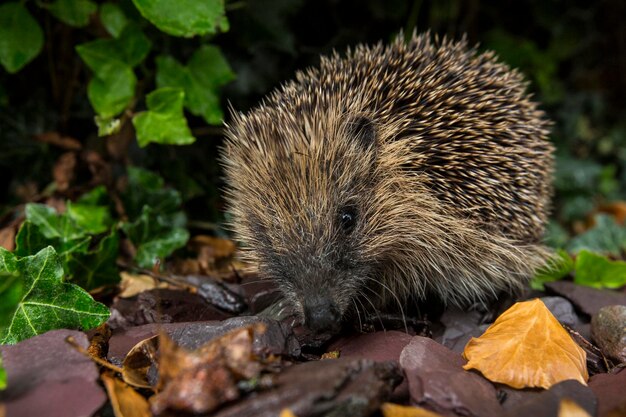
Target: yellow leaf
[(126, 402), (395, 410), (132, 285), (287, 413), (569, 408), (527, 347)]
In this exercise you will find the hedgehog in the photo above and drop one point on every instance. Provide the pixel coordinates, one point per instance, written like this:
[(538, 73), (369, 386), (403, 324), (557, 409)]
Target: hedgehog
[(419, 169)]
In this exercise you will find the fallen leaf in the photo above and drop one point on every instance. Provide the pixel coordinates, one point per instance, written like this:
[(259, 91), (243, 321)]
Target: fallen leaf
[(199, 381), (138, 362), (569, 408), (7, 237), (527, 347), (132, 284), (220, 248), (63, 170), (616, 209), (395, 410), (54, 138), (126, 402)]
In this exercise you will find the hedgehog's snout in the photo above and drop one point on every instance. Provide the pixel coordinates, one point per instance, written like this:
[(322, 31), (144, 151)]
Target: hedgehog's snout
[(322, 315)]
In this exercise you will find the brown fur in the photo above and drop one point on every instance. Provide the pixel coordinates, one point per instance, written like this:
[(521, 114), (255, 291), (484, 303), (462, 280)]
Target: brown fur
[(452, 198)]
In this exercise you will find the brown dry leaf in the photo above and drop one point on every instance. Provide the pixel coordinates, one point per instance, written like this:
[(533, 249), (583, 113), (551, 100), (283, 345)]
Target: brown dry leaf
[(132, 284), (138, 361), (64, 142), (63, 170), (126, 402), (395, 410), (199, 381), (7, 238), (220, 248), (214, 253), (616, 209), (569, 408), (527, 347)]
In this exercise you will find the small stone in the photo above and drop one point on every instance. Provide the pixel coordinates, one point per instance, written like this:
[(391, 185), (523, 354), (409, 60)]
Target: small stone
[(608, 328)]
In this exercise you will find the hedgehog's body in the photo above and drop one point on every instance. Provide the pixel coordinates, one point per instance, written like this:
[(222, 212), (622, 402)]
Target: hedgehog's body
[(393, 172)]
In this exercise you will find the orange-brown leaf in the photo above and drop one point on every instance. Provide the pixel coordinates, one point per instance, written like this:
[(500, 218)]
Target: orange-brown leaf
[(395, 410), (527, 347), (126, 402), (138, 361)]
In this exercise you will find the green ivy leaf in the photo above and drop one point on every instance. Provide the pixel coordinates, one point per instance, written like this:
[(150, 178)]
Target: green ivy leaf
[(156, 236), (146, 188), (113, 19), (597, 271), (73, 12), (157, 226), (606, 237), (21, 37), (89, 218), (205, 73), (47, 303), (184, 17), (164, 122), (112, 88), (71, 234), (98, 267), (133, 45), (112, 91), (97, 196), (557, 268), (30, 239), (11, 292)]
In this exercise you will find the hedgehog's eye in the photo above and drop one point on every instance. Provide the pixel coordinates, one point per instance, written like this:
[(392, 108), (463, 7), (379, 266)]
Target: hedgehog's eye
[(347, 219)]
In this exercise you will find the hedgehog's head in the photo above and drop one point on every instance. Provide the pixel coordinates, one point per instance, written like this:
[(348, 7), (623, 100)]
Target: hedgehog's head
[(300, 191)]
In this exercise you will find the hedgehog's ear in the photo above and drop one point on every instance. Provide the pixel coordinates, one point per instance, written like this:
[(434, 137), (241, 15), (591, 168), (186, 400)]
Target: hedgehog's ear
[(363, 130)]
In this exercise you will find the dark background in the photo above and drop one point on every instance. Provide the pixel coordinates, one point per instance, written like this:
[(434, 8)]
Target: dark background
[(572, 52)]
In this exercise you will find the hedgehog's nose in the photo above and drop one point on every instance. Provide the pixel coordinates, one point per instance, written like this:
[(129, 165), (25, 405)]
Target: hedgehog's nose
[(321, 315)]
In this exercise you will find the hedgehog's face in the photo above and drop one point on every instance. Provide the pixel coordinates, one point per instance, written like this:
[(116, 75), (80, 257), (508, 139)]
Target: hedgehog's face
[(299, 204)]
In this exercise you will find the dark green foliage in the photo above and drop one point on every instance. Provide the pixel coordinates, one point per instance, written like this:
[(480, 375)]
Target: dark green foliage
[(156, 224), (46, 302)]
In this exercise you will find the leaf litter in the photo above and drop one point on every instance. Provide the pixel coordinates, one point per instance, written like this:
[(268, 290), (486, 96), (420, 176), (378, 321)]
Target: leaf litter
[(183, 346)]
